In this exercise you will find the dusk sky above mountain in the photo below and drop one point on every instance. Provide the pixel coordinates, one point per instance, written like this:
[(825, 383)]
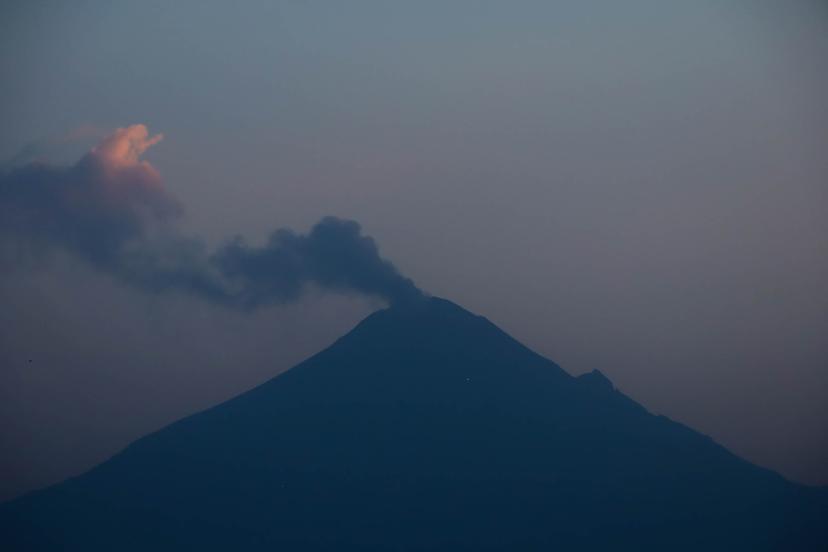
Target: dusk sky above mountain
[(633, 187)]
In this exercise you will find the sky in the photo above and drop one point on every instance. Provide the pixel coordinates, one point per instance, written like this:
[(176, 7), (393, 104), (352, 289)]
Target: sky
[(637, 187)]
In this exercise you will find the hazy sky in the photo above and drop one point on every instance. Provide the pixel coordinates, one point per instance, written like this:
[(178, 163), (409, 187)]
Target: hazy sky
[(638, 187)]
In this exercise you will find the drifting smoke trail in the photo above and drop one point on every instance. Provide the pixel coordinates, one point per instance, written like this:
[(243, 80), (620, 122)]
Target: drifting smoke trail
[(111, 210)]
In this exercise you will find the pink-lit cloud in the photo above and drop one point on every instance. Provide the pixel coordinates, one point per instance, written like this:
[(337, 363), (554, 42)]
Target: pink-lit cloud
[(92, 208), (125, 180), (123, 147)]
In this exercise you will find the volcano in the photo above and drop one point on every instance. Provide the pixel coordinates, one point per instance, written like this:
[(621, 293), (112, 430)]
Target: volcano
[(424, 428)]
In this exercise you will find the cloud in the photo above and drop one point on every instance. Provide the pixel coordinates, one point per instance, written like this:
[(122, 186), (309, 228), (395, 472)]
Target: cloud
[(333, 255), (112, 210), (56, 147), (123, 147), (92, 208)]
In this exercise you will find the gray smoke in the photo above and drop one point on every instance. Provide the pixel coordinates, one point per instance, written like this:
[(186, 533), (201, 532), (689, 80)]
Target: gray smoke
[(111, 210)]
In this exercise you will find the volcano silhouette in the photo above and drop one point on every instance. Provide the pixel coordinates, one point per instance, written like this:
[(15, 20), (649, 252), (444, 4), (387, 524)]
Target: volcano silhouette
[(424, 428)]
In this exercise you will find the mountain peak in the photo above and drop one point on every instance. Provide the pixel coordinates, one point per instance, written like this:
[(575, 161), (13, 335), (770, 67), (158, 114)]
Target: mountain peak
[(429, 307), (432, 315), (437, 324)]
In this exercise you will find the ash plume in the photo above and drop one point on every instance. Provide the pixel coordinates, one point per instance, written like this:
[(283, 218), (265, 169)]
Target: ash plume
[(112, 211)]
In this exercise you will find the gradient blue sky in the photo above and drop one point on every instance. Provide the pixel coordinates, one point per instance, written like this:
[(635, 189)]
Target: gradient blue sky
[(638, 187)]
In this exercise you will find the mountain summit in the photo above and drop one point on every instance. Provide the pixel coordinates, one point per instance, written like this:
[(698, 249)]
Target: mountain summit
[(424, 428)]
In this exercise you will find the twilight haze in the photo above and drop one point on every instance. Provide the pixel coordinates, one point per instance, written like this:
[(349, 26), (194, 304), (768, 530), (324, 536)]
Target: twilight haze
[(634, 187)]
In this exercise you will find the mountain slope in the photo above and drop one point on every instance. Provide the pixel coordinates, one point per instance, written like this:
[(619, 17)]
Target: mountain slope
[(424, 428)]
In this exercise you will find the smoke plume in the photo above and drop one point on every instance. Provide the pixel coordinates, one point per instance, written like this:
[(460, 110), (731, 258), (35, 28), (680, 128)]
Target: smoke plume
[(111, 210)]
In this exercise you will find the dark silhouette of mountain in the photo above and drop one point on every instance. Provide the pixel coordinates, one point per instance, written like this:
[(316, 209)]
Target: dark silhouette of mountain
[(424, 428)]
